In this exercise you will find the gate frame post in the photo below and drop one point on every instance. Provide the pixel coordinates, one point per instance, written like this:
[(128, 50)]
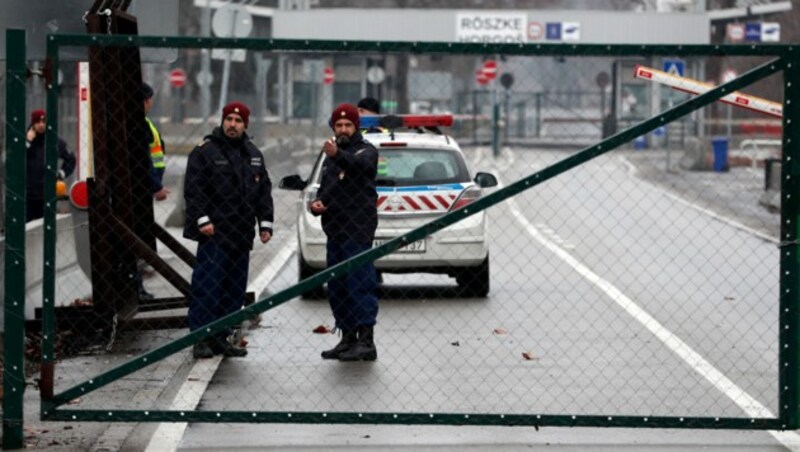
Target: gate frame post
[(14, 303)]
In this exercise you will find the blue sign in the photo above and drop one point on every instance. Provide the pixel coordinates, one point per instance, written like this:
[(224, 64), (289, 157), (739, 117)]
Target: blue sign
[(752, 32), (553, 31), (675, 67)]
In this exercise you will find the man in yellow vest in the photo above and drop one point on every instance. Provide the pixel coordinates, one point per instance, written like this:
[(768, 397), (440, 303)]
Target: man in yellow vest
[(156, 148)]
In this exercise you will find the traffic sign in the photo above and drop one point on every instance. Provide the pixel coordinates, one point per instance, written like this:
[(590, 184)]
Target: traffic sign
[(507, 79), (481, 77), (675, 67), (752, 32), (328, 76), (177, 78), (735, 32), (232, 21), (535, 31), (490, 69), (375, 75)]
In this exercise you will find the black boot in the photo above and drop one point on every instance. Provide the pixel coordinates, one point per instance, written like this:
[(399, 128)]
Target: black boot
[(364, 349), (349, 339), (221, 346), (202, 350)]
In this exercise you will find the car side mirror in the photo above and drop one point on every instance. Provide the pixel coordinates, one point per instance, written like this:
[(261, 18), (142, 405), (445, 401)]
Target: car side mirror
[(293, 182), (485, 180)]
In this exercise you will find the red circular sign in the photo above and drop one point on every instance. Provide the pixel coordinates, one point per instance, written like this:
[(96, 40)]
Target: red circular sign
[(328, 76), (481, 77), (177, 78), (79, 195), (490, 69)]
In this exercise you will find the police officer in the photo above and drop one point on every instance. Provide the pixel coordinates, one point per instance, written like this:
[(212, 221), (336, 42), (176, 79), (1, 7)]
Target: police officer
[(36, 165), (227, 192), (157, 148), (347, 202), (370, 106)]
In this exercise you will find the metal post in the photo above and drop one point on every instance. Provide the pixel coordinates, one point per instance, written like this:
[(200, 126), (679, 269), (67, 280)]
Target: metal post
[(14, 303), (474, 116), (788, 357), (495, 122), (51, 201), (205, 61)]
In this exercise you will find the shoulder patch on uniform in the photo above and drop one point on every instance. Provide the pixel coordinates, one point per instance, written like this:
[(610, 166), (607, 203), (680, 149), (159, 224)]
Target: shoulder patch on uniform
[(203, 143)]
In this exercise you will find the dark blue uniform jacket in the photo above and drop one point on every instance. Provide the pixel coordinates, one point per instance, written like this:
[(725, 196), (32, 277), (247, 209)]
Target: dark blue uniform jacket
[(348, 191), (227, 184), (36, 164)]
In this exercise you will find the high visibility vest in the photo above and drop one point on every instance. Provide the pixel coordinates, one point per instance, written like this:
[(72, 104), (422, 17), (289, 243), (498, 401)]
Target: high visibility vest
[(156, 150)]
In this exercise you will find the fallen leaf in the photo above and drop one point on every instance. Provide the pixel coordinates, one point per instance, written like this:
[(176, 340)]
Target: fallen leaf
[(530, 356), (243, 342), (500, 330), (322, 329), (729, 298), (74, 401), (456, 344)]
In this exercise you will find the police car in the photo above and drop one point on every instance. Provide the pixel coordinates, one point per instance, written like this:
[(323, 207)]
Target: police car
[(421, 176)]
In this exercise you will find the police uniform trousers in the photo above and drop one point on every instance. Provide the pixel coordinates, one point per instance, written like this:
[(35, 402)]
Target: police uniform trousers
[(353, 296), (219, 283)]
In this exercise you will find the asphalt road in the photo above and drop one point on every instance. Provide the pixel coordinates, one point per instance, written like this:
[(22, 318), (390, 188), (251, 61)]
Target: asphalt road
[(631, 298)]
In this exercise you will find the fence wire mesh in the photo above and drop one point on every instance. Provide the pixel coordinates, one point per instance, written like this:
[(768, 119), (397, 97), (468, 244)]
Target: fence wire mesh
[(643, 283)]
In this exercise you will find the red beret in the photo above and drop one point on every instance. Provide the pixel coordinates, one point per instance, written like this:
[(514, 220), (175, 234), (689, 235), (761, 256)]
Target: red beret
[(347, 111), (37, 115), (238, 108)]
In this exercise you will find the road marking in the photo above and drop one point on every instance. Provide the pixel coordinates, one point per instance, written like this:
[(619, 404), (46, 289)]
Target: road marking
[(260, 282), (168, 436), (632, 171), (745, 401)]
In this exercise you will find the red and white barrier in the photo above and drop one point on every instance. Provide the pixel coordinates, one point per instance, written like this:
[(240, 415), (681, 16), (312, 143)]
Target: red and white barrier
[(692, 86)]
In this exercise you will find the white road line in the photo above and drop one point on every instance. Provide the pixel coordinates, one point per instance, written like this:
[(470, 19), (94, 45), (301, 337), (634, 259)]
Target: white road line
[(262, 280), (745, 401), (168, 436), (632, 171)]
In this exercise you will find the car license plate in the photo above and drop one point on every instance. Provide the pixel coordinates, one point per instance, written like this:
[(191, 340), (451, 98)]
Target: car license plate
[(414, 247)]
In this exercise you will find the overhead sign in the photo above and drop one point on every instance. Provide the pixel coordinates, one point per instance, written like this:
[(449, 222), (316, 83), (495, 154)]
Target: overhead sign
[(535, 31), (752, 32), (762, 32), (735, 32), (571, 31), (486, 26), (553, 31), (675, 67), (562, 31), (770, 32)]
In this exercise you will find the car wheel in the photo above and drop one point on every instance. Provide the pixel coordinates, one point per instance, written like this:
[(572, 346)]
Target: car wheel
[(474, 281), (306, 271)]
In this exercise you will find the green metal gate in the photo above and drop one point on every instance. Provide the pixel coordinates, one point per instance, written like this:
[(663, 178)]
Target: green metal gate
[(770, 60)]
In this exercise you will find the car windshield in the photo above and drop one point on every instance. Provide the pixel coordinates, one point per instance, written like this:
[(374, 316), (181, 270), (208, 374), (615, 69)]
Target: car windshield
[(404, 167)]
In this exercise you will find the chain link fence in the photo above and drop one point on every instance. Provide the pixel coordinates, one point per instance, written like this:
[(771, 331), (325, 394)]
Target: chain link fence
[(636, 287)]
